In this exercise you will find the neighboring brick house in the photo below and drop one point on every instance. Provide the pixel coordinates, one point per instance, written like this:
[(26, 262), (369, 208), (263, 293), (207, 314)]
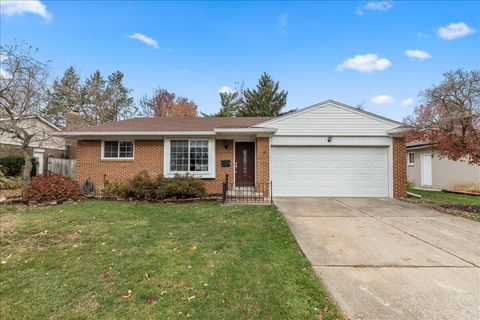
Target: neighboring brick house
[(43, 145), (328, 149)]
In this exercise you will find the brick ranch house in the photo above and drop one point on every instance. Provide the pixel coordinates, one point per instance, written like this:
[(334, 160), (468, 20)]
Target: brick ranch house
[(325, 150)]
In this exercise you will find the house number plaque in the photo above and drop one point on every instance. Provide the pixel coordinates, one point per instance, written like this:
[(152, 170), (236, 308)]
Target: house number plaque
[(225, 163)]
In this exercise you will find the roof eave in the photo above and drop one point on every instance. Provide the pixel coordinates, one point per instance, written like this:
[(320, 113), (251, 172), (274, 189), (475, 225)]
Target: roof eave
[(400, 132), (160, 134), (245, 130), (92, 134)]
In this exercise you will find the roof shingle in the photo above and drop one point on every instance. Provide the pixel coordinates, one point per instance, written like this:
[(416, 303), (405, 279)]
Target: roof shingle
[(174, 124)]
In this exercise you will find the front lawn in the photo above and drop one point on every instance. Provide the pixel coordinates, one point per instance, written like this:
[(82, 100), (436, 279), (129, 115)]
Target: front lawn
[(439, 197), (457, 204), (100, 259)]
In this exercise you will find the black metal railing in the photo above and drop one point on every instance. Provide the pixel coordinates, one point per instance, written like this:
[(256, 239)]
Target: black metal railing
[(244, 194)]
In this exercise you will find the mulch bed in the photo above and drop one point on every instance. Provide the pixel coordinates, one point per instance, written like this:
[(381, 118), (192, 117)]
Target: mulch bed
[(472, 208), (462, 192), (18, 200)]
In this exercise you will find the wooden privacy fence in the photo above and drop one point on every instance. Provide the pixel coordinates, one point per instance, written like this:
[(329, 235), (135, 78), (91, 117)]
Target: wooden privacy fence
[(65, 167)]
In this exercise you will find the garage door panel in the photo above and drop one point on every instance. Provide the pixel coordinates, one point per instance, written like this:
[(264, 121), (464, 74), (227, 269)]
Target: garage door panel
[(329, 171)]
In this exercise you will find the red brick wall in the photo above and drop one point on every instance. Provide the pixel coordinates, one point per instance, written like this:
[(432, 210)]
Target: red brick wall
[(399, 168), (263, 164), (214, 186), (148, 156)]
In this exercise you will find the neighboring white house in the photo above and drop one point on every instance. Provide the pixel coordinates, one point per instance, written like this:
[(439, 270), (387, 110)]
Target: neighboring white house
[(426, 169), (43, 144)]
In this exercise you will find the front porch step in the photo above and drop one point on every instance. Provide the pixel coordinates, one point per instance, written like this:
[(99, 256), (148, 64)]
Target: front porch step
[(244, 193)]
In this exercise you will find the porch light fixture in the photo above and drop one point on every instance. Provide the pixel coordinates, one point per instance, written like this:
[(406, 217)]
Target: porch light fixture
[(329, 139), (225, 143)]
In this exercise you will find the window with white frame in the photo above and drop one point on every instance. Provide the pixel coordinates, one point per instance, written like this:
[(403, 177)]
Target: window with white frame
[(411, 158), (189, 156), (117, 149)]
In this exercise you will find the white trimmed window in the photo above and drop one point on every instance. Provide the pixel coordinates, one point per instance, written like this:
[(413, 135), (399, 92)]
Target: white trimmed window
[(411, 158), (192, 156), (122, 149)]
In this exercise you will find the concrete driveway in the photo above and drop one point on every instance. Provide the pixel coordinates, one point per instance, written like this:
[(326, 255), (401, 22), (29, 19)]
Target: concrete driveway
[(387, 259)]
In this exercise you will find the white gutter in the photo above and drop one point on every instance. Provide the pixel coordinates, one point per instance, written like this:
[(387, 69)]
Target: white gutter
[(244, 130)]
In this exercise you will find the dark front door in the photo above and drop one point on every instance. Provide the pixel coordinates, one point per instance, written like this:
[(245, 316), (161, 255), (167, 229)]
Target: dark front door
[(245, 163)]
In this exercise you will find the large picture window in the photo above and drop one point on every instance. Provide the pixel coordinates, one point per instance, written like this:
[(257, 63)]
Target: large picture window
[(118, 149), (189, 155)]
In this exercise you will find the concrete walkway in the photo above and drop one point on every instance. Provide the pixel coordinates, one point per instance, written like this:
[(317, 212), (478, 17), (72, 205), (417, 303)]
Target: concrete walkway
[(387, 259)]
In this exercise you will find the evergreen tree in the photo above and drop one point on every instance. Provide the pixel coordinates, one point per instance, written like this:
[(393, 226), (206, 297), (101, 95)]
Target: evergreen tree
[(265, 100), (121, 104), (231, 102), (64, 96), (94, 98)]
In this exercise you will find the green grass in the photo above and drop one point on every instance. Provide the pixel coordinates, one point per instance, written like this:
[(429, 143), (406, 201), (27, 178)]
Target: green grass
[(437, 197), (198, 261)]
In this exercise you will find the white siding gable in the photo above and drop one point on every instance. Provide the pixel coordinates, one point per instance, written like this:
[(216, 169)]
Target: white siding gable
[(42, 139), (330, 119)]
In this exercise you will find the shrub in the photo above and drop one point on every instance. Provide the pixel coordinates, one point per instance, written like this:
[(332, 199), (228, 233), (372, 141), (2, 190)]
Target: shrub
[(10, 183), (52, 186), (12, 165), (410, 185), (142, 186), (116, 188), (183, 187)]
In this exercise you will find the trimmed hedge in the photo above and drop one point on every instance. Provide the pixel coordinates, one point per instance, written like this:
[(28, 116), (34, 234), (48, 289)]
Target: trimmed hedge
[(144, 187)]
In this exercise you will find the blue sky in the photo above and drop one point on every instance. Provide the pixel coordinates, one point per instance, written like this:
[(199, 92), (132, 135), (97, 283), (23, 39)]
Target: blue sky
[(353, 52)]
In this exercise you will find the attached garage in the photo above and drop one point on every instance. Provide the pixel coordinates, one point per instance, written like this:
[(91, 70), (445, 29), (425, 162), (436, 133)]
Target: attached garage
[(322, 171), (333, 150)]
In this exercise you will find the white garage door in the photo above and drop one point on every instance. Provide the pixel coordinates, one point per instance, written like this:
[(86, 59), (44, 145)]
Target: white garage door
[(329, 171)]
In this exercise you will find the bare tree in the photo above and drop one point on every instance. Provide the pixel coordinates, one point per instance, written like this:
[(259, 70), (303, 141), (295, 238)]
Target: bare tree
[(23, 90), (450, 116)]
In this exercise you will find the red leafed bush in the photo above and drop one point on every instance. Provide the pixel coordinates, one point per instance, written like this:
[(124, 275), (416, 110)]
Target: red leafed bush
[(52, 186)]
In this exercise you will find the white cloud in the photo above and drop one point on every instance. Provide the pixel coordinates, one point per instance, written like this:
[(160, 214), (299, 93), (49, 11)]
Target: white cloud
[(226, 89), (380, 6), (455, 30), (147, 40), (422, 35), (383, 99), (4, 75), (418, 54), (11, 8), (366, 63), (182, 71), (283, 20), (407, 102)]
